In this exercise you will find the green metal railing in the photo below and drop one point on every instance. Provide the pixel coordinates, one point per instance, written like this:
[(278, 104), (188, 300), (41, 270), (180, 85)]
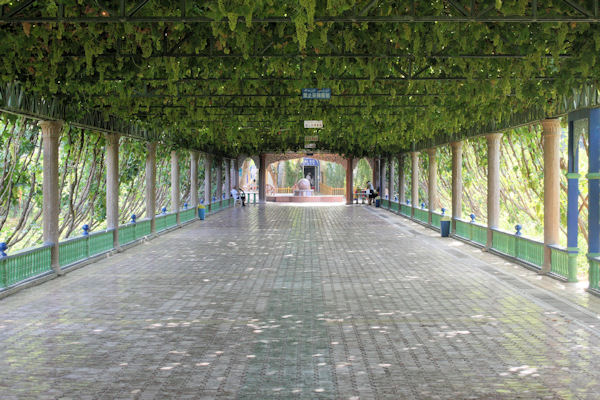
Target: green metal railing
[(559, 261), (422, 215), (143, 228), (395, 206), (385, 203), (463, 229), (529, 250), (503, 242), (160, 222), (126, 233), (100, 242), (479, 233), (170, 220), (594, 273), (436, 220), (187, 215), (73, 250), (405, 209), (24, 265)]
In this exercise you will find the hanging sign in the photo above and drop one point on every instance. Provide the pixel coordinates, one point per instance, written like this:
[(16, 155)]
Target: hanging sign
[(310, 162), (311, 138), (320, 94), (310, 145), (313, 124)]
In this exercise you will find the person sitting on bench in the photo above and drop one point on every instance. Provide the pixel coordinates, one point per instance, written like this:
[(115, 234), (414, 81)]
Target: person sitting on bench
[(241, 196)]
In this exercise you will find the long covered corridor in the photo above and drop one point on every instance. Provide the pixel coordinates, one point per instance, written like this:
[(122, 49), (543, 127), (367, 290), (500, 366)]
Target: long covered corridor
[(308, 302)]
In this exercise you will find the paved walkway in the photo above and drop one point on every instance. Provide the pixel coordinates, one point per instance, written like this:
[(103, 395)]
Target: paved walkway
[(298, 302)]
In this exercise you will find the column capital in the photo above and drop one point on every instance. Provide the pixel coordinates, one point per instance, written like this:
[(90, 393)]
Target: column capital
[(494, 136), (456, 145), (551, 126), (51, 128)]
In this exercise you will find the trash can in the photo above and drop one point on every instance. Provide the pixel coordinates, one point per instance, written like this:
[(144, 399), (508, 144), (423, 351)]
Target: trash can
[(445, 226), (377, 203), (201, 212)]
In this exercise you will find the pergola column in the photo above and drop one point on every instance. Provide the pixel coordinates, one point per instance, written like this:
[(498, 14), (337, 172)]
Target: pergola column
[(573, 201), (51, 196), (493, 184), (382, 177), (414, 186), (219, 170), (151, 185), (227, 178), (375, 179), (236, 174), (390, 182), (175, 196), (207, 181), (401, 180), (112, 186), (349, 180), (456, 182), (262, 178), (432, 193), (594, 192), (551, 143), (194, 180)]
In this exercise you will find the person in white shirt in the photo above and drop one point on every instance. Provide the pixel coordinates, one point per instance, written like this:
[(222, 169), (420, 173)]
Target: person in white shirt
[(238, 196), (371, 192)]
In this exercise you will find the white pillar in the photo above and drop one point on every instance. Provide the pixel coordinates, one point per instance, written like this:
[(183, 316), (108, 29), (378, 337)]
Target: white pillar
[(456, 182), (390, 183), (236, 174), (175, 196), (432, 194), (493, 194), (194, 180), (151, 184), (51, 196), (401, 180), (551, 136), (227, 178), (112, 185), (219, 179)]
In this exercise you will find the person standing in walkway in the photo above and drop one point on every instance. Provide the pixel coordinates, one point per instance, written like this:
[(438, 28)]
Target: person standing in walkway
[(370, 192)]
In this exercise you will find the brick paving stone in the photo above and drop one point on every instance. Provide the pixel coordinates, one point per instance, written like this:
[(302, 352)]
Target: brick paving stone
[(336, 302)]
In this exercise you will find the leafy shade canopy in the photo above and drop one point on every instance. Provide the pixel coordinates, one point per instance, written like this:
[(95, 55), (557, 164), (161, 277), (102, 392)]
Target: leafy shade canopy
[(228, 78)]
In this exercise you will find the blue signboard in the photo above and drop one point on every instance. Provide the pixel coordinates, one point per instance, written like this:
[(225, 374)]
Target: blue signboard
[(320, 94), (310, 162)]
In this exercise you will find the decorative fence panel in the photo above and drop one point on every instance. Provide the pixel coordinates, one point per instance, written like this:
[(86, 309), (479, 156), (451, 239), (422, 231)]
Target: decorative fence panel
[(126, 234), (529, 250), (187, 215), (436, 220), (161, 222), (463, 229), (24, 265), (479, 233), (73, 250), (101, 242), (559, 261), (504, 242), (422, 215), (394, 206), (594, 273), (170, 220), (143, 228), (405, 209)]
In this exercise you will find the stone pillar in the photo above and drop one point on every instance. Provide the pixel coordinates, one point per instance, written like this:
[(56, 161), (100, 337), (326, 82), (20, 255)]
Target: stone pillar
[(262, 179), (227, 178), (349, 180), (219, 170), (432, 194), (151, 185), (51, 196), (382, 177), (401, 181), (493, 184), (414, 185), (390, 182), (175, 195), (551, 136), (194, 180), (236, 173), (112, 186), (207, 181), (375, 179), (456, 182)]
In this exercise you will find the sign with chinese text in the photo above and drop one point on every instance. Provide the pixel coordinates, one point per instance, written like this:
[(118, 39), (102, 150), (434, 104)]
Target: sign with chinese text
[(313, 124), (313, 93)]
